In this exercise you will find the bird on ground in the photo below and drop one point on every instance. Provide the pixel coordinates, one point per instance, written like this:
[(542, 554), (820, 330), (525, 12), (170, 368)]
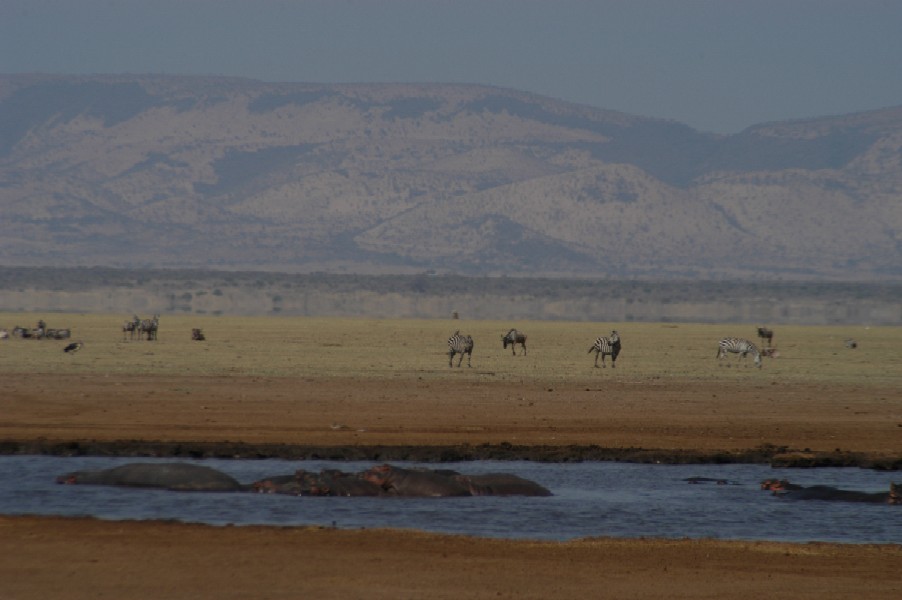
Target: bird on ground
[(73, 347)]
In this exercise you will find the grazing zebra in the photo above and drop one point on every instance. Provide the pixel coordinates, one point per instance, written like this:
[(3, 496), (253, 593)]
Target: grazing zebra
[(738, 346), (603, 346), (766, 334), (460, 344), (514, 337)]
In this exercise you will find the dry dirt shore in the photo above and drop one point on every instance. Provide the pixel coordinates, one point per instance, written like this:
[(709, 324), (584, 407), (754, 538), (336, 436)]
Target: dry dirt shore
[(47, 557), (356, 418)]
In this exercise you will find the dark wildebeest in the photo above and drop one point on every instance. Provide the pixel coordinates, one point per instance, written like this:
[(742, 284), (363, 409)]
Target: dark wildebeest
[(514, 337), (766, 334)]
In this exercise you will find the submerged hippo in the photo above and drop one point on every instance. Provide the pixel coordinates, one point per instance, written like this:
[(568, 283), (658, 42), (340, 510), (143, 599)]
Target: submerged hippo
[(792, 491), (501, 484), (169, 476), (714, 480)]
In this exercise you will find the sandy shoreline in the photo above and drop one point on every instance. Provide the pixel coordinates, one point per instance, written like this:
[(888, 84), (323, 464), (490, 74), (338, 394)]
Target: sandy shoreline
[(49, 557)]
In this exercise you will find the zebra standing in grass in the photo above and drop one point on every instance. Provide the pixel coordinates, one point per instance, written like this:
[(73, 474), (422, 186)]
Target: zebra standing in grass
[(131, 328), (514, 337), (739, 346), (460, 344), (607, 346), (150, 327)]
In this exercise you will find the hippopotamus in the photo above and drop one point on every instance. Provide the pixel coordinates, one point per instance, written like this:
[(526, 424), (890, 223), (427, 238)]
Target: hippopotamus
[(170, 476), (700, 480), (397, 481), (501, 484), (329, 482), (277, 484), (791, 491)]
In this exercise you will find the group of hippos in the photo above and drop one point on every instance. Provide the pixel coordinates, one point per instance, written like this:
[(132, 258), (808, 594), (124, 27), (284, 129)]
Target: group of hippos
[(791, 491), (382, 480), (783, 489), (393, 481)]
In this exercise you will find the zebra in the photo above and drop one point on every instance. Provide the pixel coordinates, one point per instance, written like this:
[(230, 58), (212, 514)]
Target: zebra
[(514, 337), (460, 344), (150, 326), (58, 334), (739, 346), (131, 328), (603, 346)]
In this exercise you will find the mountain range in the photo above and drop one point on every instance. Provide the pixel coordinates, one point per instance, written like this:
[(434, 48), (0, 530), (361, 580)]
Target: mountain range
[(156, 171)]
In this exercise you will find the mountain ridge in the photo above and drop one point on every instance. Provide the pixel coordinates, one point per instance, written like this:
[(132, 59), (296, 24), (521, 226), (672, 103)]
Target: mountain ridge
[(216, 172)]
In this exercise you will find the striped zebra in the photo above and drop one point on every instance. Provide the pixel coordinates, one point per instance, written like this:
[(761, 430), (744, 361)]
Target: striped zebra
[(739, 346), (149, 327), (131, 328), (606, 346), (460, 344), (514, 337)]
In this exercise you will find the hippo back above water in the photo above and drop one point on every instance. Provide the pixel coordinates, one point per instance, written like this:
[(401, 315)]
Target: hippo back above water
[(791, 491), (169, 476), (501, 484), (421, 483)]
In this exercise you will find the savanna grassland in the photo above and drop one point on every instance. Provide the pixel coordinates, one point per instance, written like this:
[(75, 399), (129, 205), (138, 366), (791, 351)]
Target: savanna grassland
[(283, 383), (387, 382)]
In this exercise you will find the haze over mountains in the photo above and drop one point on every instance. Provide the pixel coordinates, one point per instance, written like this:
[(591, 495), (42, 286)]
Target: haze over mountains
[(234, 174)]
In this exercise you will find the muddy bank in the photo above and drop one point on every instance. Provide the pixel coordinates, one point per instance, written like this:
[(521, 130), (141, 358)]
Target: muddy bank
[(773, 455)]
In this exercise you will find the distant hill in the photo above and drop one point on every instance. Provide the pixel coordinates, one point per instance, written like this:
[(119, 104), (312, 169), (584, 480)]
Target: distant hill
[(234, 174)]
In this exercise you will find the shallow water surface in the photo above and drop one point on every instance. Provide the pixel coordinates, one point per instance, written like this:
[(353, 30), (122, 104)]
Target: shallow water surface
[(590, 499)]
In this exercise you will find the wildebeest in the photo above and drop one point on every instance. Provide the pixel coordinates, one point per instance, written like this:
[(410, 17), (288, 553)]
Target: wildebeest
[(766, 334), (514, 337)]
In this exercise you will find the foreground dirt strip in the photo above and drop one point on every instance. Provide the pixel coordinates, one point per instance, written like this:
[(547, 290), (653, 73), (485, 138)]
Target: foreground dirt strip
[(49, 557)]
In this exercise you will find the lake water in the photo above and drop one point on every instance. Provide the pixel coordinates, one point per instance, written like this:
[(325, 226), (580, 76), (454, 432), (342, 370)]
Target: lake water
[(590, 499)]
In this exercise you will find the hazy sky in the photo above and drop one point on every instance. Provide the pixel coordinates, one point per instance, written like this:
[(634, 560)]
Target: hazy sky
[(717, 65)]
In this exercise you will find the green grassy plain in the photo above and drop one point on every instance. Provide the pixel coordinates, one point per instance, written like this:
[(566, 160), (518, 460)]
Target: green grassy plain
[(417, 348)]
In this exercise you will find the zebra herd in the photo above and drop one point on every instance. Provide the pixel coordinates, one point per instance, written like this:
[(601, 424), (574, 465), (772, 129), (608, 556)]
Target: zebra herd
[(141, 328), (41, 332), (604, 346)]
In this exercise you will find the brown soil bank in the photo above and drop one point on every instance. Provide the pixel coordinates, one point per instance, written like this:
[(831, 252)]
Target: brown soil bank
[(355, 418), (47, 557)]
